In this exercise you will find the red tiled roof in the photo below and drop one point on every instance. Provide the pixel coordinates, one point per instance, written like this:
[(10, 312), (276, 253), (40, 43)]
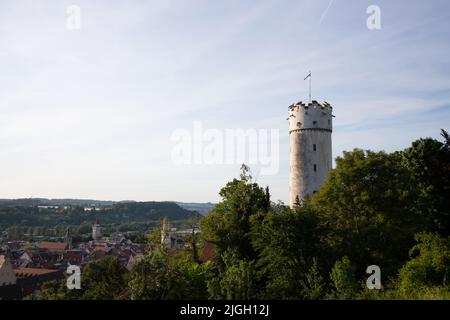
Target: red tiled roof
[(101, 249), (97, 255), (29, 272), (73, 257), (72, 254), (100, 243), (208, 251), (52, 245)]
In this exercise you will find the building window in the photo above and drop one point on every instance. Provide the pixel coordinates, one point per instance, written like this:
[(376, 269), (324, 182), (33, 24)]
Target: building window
[(314, 147), (314, 122), (315, 167)]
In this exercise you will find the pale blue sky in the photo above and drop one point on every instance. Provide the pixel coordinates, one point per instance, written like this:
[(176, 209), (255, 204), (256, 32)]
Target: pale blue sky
[(90, 113)]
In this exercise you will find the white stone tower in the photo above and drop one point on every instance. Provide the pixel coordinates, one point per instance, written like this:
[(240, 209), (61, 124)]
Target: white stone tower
[(68, 239), (96, 230), (310, 127), (166, 234)]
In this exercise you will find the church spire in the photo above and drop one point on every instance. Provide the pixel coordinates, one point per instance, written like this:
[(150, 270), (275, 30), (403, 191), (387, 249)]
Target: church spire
[(68, 239)]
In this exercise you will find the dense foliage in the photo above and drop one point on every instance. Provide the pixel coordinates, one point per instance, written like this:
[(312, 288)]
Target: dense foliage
[(390, 210), (105, 279)]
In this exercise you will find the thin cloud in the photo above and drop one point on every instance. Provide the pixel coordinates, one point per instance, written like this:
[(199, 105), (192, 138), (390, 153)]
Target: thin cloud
[(325, 12)]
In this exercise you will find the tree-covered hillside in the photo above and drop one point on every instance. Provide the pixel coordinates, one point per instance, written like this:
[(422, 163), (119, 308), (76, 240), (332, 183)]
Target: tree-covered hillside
[(120, 213)]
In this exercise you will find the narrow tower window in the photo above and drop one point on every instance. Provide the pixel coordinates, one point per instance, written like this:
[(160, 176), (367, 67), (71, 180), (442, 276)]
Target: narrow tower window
[(314, 147), (315, 167)]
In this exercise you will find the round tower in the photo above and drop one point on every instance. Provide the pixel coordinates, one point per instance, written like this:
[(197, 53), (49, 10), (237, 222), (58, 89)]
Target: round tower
[(96, 230), (310, 127)]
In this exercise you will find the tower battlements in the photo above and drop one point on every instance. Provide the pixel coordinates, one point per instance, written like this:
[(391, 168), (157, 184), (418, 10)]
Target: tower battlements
[(310, 116), (314, 104)]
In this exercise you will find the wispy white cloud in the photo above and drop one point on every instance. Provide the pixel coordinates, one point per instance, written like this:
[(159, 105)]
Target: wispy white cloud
[(322, 17)]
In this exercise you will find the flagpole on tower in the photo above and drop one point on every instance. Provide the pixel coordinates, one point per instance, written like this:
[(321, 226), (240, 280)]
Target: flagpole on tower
[(309, 76)]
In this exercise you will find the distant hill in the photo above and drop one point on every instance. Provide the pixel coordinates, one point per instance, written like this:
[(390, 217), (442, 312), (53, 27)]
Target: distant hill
[(31, 213), (152, 210), (56, 202), (202, 208)]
